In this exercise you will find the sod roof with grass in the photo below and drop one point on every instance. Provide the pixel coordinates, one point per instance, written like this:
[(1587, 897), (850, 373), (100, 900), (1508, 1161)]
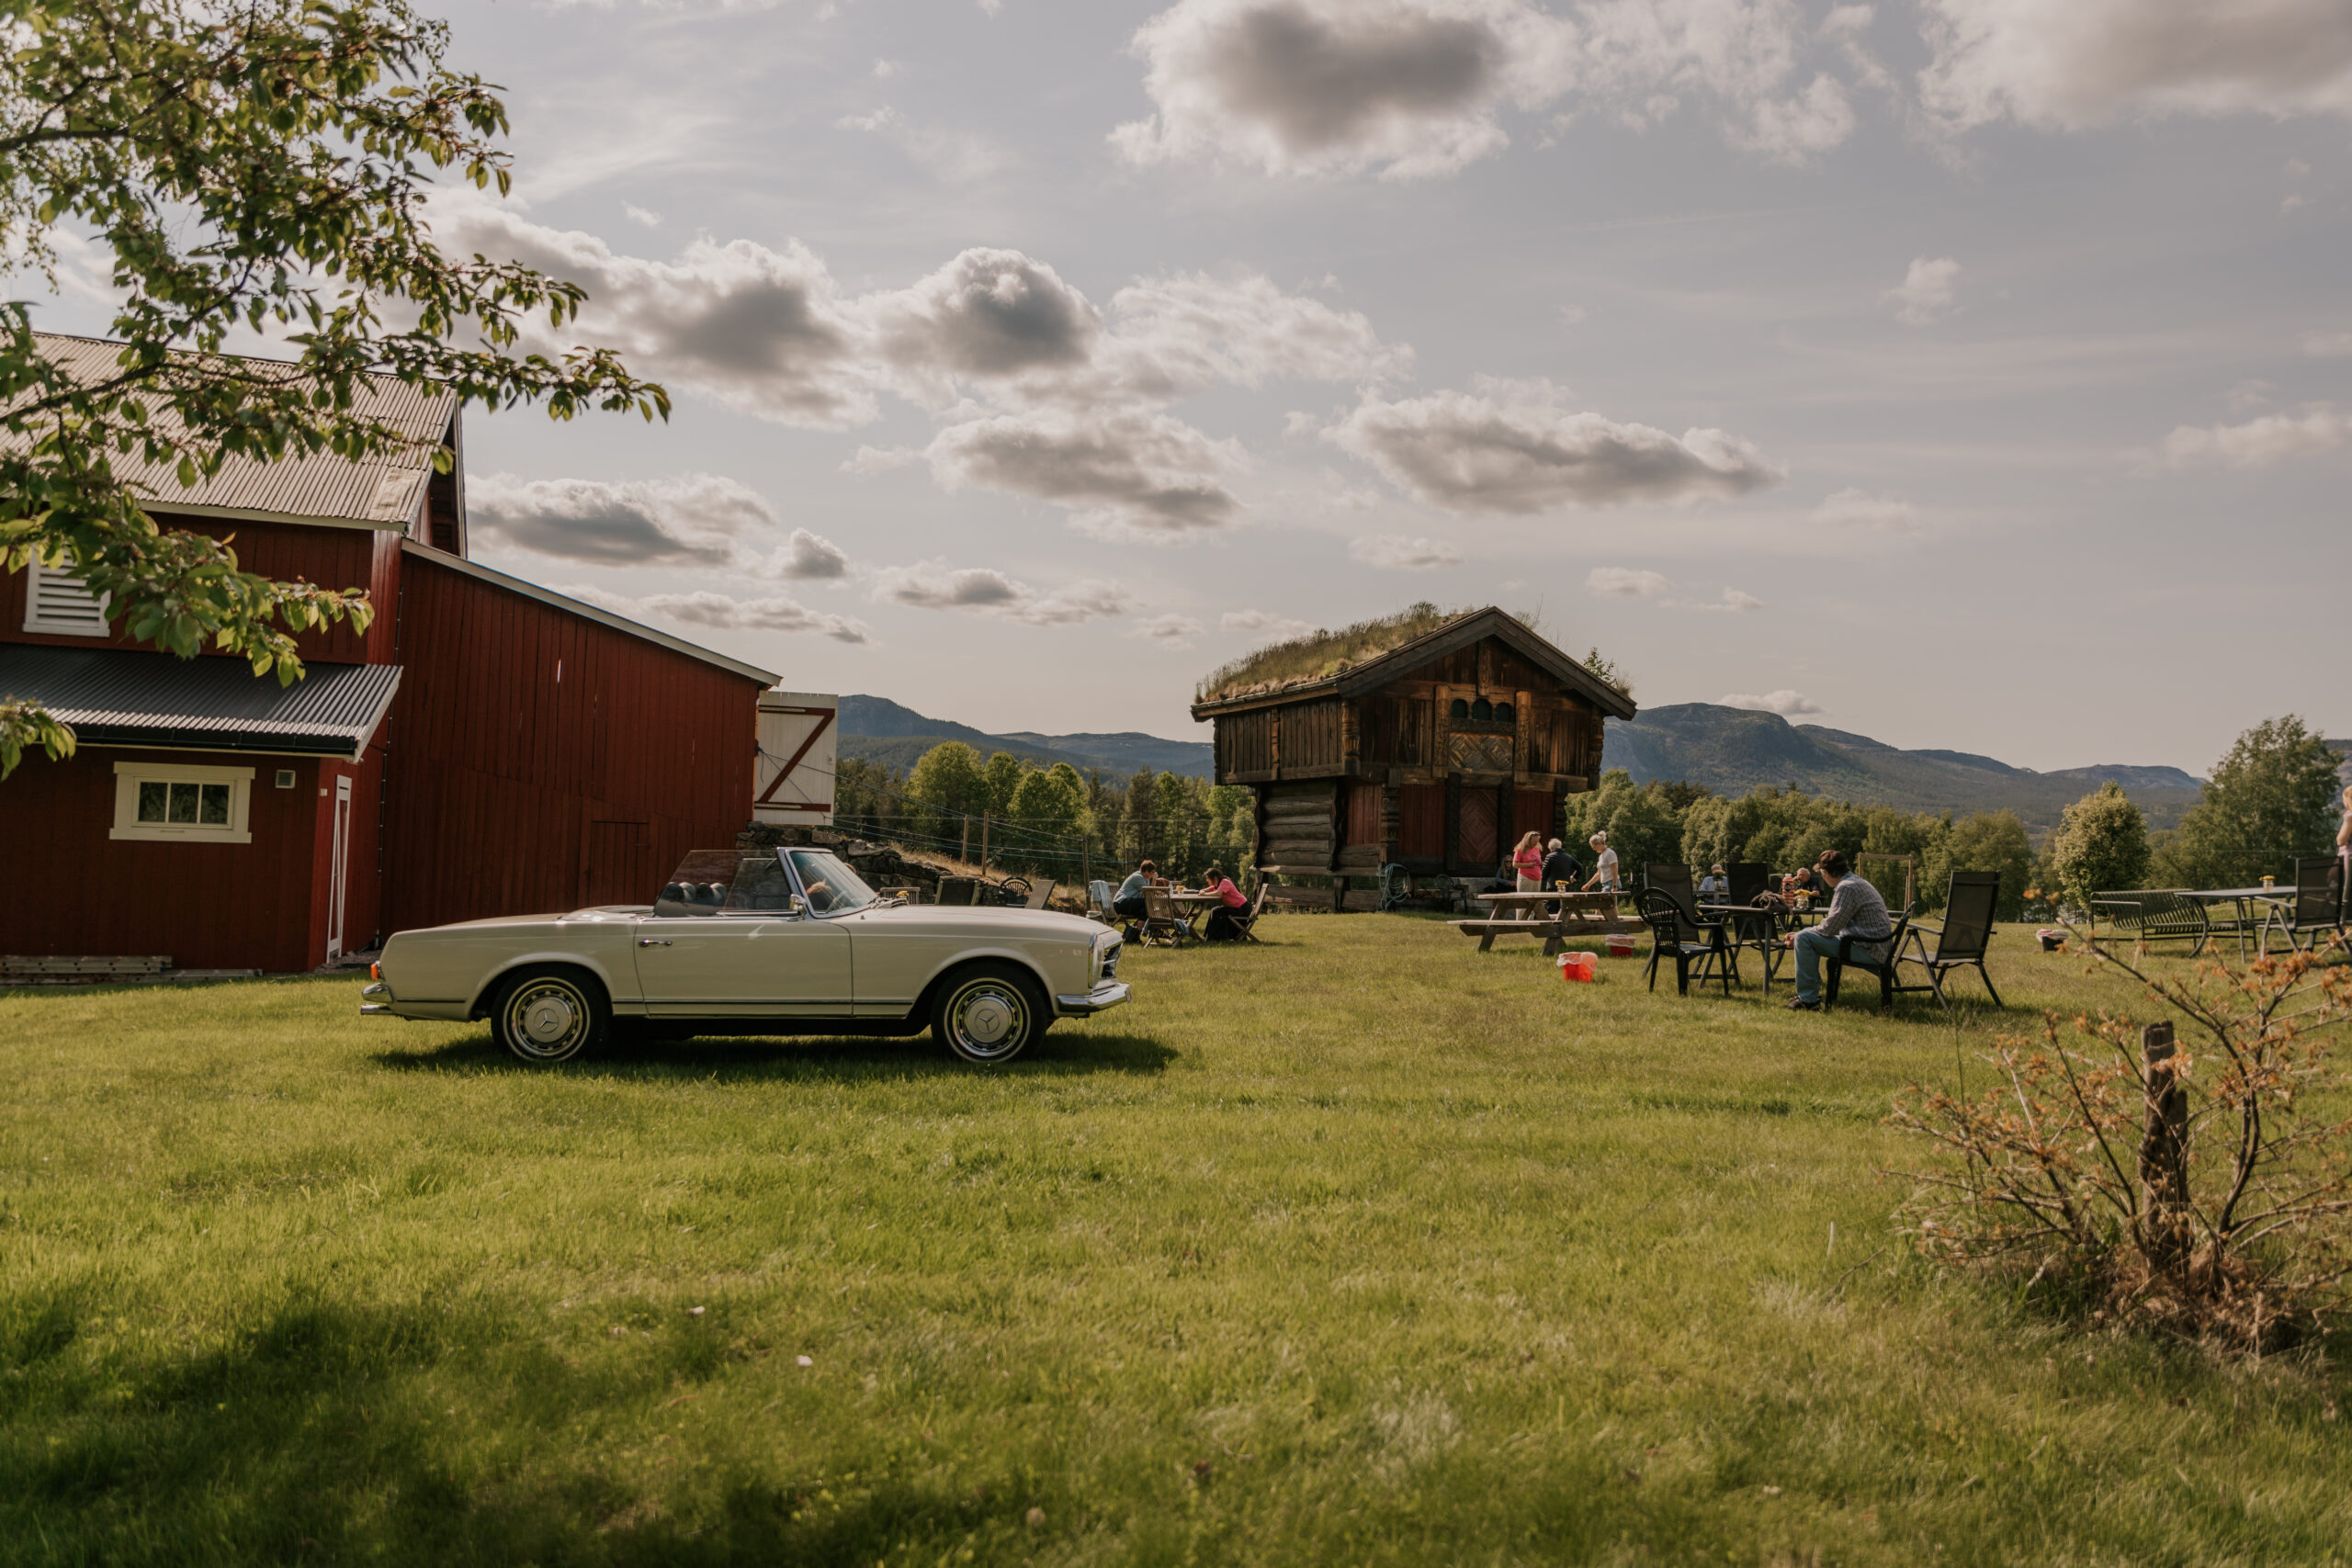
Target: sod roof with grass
[(1417, 633)]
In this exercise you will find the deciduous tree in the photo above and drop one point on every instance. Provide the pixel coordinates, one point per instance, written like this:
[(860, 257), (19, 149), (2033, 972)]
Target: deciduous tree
[(261, 165)]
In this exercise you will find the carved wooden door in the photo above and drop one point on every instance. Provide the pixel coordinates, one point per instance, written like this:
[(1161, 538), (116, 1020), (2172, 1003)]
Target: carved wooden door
[(1474, 845)]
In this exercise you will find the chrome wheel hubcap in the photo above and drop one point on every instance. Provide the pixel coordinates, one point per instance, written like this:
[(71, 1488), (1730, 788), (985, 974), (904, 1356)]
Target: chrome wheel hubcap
[(988, 1020), (547, 1017)]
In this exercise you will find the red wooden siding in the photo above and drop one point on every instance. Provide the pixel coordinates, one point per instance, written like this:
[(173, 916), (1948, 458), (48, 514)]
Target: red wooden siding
[(1364, 813), (1531, 812), (1477, 845), (331, 558), (1420, 820), (208, 906), (519, 728)]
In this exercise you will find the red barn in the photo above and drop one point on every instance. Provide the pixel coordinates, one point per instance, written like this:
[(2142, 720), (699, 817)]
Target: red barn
[(486, 747)]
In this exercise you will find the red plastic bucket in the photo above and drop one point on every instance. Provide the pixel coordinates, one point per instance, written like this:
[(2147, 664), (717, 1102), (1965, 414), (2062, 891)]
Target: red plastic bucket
[(1577, 967), (1621, 946)]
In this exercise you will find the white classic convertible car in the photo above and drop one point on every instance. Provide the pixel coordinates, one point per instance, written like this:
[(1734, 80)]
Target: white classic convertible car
[(775, 941)]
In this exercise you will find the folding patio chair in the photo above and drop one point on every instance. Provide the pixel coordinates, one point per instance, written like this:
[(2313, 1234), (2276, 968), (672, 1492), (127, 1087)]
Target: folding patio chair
[(1098, 903), (1162, 926), (1967, 928), (2315, 912), (1039, 892), (1837, 967), (1245, 921)]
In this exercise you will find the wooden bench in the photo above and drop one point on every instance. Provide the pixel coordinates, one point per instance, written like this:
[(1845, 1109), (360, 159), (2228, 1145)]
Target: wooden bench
[(1581, 915)]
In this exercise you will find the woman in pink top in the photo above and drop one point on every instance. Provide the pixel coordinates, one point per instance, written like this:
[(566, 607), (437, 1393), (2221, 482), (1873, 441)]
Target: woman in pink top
[(1222, 926), (1527, 860)]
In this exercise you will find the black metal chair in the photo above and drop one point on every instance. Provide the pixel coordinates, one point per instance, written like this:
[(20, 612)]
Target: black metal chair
[(1674, 933), (1846, 945), (2315, 911), (1676, 882), (1967, 928), (1749, 879)]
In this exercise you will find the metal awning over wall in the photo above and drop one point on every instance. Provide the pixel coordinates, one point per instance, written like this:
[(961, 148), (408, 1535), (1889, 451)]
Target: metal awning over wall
[(124, 698)]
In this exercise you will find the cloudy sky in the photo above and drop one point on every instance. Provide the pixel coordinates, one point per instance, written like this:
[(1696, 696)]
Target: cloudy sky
[(1966, 373)]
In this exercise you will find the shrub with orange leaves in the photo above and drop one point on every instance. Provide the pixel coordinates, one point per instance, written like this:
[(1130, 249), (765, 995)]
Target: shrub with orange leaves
[(2227, 1221)]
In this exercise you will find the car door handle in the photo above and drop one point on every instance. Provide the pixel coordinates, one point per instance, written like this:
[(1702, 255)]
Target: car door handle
[(653, 942)]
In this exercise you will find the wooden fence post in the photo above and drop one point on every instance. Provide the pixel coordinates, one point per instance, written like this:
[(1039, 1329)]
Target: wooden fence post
[(2164, 1150)]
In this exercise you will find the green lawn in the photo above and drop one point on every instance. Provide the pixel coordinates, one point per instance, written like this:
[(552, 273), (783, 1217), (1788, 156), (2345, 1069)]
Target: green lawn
[(1357, 1247)]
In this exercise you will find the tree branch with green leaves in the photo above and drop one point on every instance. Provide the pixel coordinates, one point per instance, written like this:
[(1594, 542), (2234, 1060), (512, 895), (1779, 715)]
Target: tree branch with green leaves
[(262, 167)]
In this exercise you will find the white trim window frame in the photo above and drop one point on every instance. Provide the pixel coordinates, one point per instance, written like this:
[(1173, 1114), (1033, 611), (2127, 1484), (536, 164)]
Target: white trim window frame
[(182, 802), (56, 603)]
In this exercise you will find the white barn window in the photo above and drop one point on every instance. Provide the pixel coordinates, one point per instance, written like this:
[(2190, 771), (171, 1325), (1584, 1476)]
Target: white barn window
[(167, 801), (56, 601)]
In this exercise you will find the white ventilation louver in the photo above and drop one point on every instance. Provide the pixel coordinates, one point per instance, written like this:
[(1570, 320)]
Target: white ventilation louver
[(55, 602)]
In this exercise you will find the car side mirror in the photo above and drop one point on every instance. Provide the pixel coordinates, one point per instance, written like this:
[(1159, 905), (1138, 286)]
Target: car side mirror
[(798, 905)]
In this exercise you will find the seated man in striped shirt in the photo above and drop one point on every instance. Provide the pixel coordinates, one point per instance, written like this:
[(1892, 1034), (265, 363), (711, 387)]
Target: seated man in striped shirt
[(1855, 911)]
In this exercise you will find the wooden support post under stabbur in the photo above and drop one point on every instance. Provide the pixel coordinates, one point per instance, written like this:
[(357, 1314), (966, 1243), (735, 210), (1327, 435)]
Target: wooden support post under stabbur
[(2164, 1150)]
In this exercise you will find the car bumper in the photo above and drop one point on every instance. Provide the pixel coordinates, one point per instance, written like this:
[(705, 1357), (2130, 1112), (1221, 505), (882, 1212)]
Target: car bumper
[(1102, 999), (378, 1001)]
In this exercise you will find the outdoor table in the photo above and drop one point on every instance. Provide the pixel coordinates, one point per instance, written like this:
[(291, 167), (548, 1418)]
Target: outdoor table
[(2246, 898), (1190, 906), (1766, 943)]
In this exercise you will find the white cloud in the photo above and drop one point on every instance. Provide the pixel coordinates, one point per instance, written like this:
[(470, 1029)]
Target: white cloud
[(1038, 391), (691, 520), (1854, 508), (958, 156), (1624, 582), (1926, 292), (720, 612), (1146, 474), (2066, 64), (1515, 447), (2321, 427), (935, 585), (1787, 704), (807, 558), (2327, 345), (1174, 632), (1415, 88), (1261, 626), (639, 215), (1398, 552), (1733, 601)]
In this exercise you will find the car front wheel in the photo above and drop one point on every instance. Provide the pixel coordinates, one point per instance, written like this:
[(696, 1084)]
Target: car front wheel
[(546, 1015), (989, 1014)]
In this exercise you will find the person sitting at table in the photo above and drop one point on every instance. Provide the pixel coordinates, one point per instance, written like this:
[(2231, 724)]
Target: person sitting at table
[(1855, 911), (1127, 902), (1222, 926), (1715, 885), (1604, 865)]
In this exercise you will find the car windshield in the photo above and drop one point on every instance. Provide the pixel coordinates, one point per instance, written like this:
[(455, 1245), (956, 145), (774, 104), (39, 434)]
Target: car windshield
[(830, 887), (726, 882)]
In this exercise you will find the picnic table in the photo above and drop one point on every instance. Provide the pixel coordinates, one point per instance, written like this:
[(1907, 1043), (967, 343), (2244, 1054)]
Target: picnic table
[(1518, 914), (2246, 898)]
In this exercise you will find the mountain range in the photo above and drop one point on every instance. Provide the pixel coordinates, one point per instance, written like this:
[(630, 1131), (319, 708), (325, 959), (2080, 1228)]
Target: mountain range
[(1732, 750), (880, 730), (1729, 750)]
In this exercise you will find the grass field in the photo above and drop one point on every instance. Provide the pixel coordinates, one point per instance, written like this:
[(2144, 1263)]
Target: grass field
[(1357, 1247)]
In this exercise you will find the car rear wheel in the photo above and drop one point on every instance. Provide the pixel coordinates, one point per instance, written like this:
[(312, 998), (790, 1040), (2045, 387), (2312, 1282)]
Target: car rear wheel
[(545, 1016), (989, 1014)]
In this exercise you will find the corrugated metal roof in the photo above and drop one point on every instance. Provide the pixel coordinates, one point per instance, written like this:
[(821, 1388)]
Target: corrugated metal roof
[(123, 697), (384, 491)]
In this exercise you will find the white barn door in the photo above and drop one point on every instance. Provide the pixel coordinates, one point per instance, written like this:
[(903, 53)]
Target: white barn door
[(792, 776)]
